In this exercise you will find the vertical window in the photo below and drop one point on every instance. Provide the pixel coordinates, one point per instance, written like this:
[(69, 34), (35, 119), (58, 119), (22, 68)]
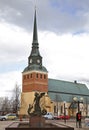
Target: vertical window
[(54, 109), (61, 109), (30, 75), (36, 75), (44, 76)]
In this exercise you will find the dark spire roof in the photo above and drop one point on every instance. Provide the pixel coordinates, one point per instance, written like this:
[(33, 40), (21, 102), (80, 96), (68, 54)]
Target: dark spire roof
[(35, 59), (35, 37), (35, 44)]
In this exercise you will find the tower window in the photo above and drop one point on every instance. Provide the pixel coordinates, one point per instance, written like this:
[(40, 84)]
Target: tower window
[(36, 75), (30, 75), (44, 76)]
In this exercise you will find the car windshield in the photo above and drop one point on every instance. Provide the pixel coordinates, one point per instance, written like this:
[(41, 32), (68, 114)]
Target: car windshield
[(10, 114)]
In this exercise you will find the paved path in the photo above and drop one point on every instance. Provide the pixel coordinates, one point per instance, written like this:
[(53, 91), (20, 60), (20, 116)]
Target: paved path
[(72, 123), (4, 124)]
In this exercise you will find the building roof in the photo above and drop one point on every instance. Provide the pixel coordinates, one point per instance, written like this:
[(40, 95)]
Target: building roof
[(59, 90), (35, 67)]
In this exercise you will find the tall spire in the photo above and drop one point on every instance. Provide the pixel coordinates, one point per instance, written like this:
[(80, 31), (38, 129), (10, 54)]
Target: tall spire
[(35, 37), (35, 59), (35, 54)]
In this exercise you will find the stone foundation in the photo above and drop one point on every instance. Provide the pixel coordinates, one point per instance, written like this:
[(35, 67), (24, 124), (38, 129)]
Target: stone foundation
[(37, 121), (25, 126)]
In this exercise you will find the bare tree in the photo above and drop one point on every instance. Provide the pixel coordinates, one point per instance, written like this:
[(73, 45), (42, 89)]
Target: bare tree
[(16, 98), (5, 106)]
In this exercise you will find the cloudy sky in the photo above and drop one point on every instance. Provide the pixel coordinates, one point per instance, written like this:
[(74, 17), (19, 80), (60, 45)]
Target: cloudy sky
[(63, 35)]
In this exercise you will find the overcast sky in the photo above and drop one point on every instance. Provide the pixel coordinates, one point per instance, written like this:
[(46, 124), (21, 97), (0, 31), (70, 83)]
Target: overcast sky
[(63, 35)]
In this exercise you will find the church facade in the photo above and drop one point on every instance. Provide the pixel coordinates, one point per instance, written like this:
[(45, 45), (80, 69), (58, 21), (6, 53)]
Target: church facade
[(59, 94)]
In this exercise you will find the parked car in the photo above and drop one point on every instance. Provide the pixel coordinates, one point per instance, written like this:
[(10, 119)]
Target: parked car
[(49, 115), (10, 116), (62, 117), (86, 121)]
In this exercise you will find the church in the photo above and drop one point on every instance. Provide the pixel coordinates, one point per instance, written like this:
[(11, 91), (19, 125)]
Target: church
[(59, 95)]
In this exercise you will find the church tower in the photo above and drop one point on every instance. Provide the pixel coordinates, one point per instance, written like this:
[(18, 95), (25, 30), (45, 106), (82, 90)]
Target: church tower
[(35, 75)]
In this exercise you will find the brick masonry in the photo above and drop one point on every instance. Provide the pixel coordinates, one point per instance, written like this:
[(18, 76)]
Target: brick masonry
[(35, 82)]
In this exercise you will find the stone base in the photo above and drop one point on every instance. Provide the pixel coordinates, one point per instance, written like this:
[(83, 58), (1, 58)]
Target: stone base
[(37, 121), (25, 126)]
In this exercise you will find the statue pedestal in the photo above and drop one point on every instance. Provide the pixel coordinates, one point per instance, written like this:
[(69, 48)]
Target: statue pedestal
[(37, 121)]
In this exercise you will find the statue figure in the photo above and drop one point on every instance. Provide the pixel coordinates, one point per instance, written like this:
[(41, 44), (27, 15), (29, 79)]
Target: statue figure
[(29, 109), (37, 108), (36, 104)]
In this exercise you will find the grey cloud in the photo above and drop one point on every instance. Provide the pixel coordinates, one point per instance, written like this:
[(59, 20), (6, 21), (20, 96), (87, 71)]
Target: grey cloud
[(52, 15)]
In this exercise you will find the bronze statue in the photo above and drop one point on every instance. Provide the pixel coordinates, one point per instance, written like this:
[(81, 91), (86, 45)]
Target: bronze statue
[(36, 103), (29, 109)]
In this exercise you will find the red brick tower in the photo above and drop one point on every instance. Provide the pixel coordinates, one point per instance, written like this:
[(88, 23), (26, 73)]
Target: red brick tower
[(35, 76)]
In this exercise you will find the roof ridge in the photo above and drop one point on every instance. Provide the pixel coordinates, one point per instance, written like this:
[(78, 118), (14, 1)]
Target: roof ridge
[(67, 81)]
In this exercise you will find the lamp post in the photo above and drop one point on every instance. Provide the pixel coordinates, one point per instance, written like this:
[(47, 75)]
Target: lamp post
[(64, 112), (78, 115)]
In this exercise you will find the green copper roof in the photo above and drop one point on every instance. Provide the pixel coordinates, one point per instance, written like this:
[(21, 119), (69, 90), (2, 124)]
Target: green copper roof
[(35, 67), (65, 91)]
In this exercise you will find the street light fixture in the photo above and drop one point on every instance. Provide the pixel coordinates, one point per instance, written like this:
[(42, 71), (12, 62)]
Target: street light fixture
[(78, 115)]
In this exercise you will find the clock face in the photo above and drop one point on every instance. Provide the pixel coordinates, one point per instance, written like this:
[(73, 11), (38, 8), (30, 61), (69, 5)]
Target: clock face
[(38, 61), (30, 60)]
